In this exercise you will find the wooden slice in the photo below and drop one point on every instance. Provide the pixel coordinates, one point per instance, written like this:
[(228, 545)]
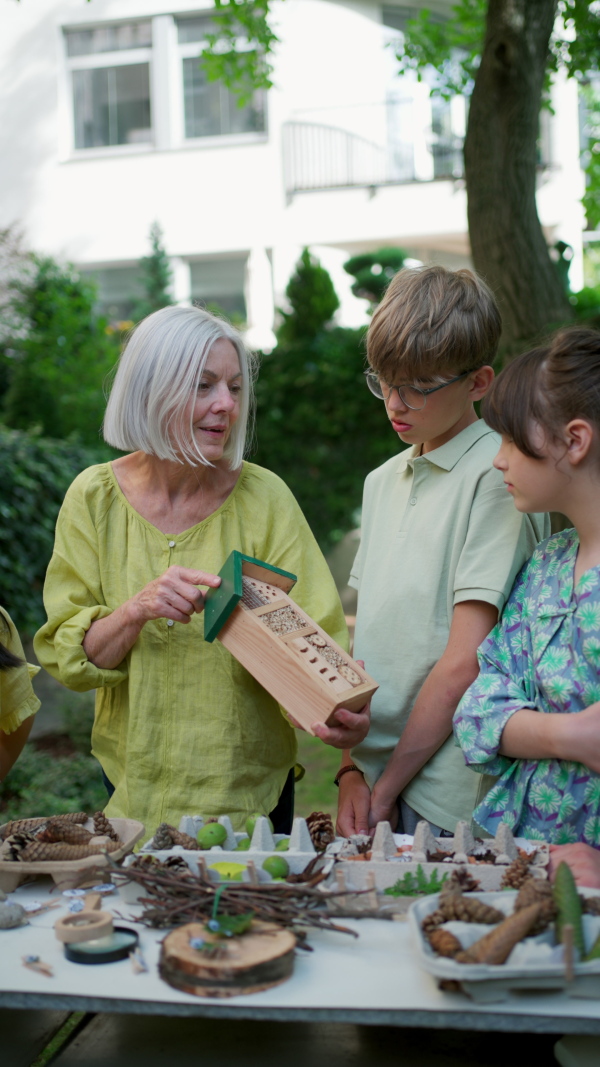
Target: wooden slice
[(261, 958)]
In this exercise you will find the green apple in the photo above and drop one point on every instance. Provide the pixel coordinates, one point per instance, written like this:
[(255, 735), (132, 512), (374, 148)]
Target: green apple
[(251, 822), (243, 845), (276, 866), (211, 834), (283, 845)]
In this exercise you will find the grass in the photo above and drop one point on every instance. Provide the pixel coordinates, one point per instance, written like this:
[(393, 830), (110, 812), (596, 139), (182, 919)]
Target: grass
[(316, 791)]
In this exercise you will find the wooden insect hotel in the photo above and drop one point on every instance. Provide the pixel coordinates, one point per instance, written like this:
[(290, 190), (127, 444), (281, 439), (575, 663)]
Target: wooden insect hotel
[(280, 645)]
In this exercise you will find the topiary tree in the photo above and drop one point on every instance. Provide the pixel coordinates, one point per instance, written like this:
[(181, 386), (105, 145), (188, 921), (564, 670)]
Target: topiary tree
[(373, 272), (313, 301), (157, 277), (57, 359)]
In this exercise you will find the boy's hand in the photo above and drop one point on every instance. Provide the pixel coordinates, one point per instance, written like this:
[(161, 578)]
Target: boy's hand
[(353, 805), (383, 810), (583, 860)]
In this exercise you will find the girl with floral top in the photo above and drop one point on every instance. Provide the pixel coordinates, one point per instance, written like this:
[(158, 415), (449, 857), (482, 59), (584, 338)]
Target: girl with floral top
[(532, 717)]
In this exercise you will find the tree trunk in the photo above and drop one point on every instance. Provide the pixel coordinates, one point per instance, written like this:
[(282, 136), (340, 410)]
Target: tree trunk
[(508, 245)]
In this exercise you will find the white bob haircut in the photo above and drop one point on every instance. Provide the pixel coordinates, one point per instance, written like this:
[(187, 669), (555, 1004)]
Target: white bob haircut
[(159, 370)]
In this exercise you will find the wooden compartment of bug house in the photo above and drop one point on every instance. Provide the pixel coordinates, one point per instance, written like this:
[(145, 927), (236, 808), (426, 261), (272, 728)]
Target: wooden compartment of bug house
[(298, 663)]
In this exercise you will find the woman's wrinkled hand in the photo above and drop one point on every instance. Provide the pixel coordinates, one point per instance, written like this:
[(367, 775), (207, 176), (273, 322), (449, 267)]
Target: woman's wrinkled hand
[(583, 860), (175, 595), (348, 728)]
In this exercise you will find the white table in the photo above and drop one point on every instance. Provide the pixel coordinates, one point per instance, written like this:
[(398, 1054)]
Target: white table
[(374, 979)]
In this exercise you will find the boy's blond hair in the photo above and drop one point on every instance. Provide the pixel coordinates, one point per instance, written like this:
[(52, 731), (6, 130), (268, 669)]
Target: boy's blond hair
[(431, 323)]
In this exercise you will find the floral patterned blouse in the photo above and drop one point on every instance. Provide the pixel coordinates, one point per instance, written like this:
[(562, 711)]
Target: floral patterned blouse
[(543, 654)]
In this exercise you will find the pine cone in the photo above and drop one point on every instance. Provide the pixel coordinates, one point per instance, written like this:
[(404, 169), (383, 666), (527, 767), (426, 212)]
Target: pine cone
[(18, 826), (497, 946), (517, 873), (165, 836), (162, 837), (320, 828), (184, 840), (103, 826), (444, 943), (435, 918), (69, 832), (176, 863), (463, 879), (71, 816), (468, 910), (39, 851), (17, 842), (534, 891)]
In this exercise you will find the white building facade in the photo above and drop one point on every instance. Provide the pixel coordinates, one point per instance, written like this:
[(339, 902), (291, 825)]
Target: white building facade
[(107, 124)]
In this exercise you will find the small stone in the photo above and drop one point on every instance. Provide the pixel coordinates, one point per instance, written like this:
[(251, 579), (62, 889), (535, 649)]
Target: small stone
[(12, 915)]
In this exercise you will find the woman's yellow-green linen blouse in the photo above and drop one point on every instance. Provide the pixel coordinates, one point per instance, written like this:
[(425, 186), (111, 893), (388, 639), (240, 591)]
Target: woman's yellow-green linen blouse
[(180, 727), (17, 698)]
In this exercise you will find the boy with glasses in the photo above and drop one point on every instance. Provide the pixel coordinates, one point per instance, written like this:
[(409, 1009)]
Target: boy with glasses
[(441, 544)]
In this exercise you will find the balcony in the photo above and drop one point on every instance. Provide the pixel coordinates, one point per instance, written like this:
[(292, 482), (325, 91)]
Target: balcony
[(319, 156)]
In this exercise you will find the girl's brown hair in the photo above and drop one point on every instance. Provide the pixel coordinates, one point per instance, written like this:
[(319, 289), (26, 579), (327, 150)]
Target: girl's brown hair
[(547, 387)]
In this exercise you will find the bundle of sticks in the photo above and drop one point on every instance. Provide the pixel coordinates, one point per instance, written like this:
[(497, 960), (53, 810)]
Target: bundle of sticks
[(176, 897)]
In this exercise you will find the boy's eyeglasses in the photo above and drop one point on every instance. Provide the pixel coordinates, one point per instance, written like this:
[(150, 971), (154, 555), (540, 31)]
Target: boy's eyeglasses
[(411, 395)]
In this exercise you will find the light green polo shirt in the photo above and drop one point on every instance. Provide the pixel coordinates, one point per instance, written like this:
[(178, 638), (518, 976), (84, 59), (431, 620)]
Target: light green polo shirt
[(436, 530)]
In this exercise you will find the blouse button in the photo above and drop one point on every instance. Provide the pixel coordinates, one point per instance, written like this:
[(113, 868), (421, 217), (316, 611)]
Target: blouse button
[(170, 622), (413, 500), (171, 544)]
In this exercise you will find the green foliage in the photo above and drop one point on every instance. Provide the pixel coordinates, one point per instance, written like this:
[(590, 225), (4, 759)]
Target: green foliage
[(156, 277), (590, 95), (44, 784), (313, 301), (242, 67), (320, 429), (586, 304), (35, 473), (374, 271), (56, 362), (451, 47), (411, 885)]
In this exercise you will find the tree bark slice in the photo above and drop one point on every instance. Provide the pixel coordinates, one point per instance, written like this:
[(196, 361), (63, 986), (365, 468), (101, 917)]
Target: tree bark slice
[(507, 242), (257, 960)]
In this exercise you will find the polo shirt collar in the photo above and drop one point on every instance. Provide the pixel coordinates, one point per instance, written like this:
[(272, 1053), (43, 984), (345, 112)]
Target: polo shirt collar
[(448, 455)]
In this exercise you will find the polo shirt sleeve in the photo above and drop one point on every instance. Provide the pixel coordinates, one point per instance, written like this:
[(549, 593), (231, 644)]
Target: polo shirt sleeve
[(499, 541), (17, 698), (73, 596)]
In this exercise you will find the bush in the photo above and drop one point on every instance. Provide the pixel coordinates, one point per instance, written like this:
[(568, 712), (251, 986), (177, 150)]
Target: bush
[(320, 429), (41, 783), (56, 364), (35, 473), (313, 301)]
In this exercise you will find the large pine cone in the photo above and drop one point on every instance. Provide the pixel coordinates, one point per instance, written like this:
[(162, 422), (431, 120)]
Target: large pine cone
[(21, 826), (468, 909), (162, 837), (320, 828), (103, 828), (58, 850), (70, 832)]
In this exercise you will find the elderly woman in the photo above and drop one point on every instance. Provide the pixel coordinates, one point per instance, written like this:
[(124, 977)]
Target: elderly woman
[(180, 726)]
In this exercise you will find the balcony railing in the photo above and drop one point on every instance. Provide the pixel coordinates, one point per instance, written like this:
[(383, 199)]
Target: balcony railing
[(318, 156)]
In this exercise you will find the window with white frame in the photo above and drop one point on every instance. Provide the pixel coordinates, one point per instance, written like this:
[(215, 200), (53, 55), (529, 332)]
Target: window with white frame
[(218, 284), (116, 73), (210, 108), (109, 68)]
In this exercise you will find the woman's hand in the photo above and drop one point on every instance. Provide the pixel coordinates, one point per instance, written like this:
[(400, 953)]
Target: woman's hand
[(175, 595), (349, 729), (172, 596), (353, 805), (583, 860)]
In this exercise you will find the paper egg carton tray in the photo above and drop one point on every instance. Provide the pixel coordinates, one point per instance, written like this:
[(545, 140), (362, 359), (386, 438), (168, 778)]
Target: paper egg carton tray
[(300, 852), (534, 963), (385, 866)]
